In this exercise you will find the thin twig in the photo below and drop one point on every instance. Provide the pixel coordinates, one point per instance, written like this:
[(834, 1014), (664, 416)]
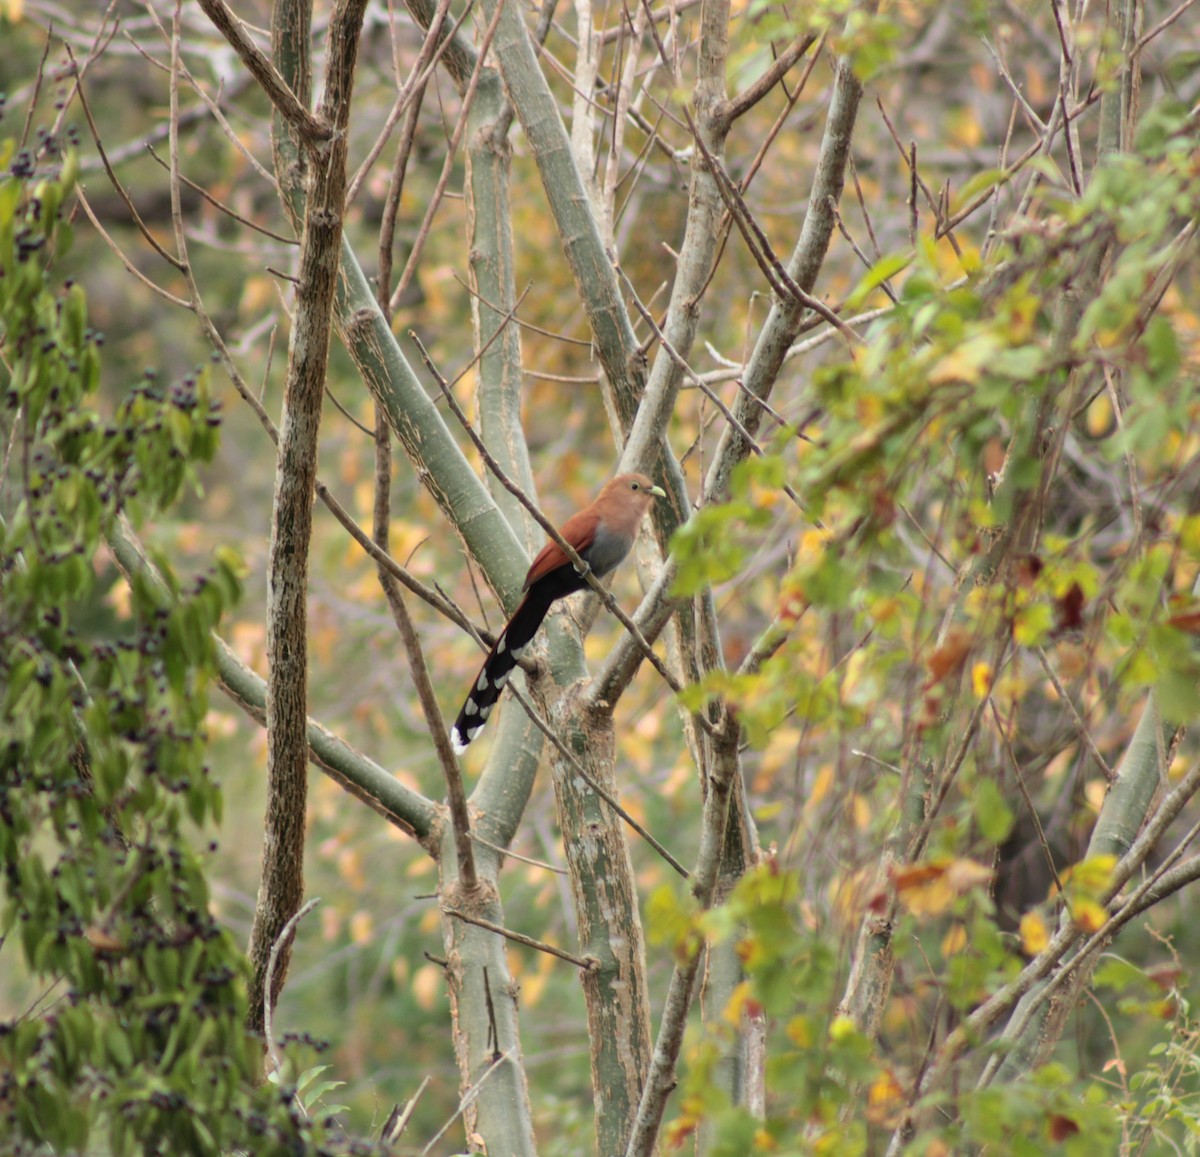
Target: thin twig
[(587, 963), (590, 780), (310, 128), (584, 343), (1162, 26), (780, 280), (1084, 733), (468, 1097), (774, 131), (1023, 788), (414, 257), (272, 963), (412, 91), (508, 853), (730, 110), (419, 669), (230, 212), (690, 374), (125, 261), (114, 180), (391, 204), (397, 1122)]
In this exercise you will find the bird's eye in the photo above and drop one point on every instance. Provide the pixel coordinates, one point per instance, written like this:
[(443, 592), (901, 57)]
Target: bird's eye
[(634, 486)]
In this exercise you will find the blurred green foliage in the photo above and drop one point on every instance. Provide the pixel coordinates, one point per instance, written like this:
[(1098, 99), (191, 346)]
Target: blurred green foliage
[(135, 1039)]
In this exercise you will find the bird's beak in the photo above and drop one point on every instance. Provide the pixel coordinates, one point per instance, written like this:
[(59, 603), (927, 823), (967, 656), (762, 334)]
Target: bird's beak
[(657, 491)]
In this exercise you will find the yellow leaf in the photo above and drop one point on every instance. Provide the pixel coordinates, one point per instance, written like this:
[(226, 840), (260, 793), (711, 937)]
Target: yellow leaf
[(420, 866), (869, 409), (258, 293), (350, 868), (1100, 417), (981, 679), (861, 811), (930, 888), (1189, 534), (799, 1032), (858, 680), (1090, 877), (956, 366), (120, 598), (737, 1004), (427, 985), (820, 788), (885, 1098), (1034, 933), (955, 940), (362, 927), (764, 497), (884, 610), (812, 547), (964, 127), (1088, 915), (331, 924), (533, 985), (923, 888), (1095, 792), (850, 894), (964, 875)]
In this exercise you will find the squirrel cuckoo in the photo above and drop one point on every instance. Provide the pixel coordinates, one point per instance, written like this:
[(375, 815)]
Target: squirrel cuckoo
[(602, 534)]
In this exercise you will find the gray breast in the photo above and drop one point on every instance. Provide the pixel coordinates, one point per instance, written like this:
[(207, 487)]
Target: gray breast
[(606, 551)]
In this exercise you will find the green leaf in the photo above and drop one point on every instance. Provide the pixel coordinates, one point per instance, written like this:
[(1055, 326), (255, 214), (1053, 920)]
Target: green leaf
[(993, 816), (883, 270), (981, 182)]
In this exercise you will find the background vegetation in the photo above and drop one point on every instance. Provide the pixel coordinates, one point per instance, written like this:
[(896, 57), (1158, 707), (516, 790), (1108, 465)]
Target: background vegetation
[(898, 304)]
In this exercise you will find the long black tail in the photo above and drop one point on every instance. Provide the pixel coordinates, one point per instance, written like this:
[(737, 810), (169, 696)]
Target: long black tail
[(498, 666)]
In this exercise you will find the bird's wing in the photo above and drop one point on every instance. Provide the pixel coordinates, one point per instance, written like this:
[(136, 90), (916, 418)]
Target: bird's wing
[(579, 530)]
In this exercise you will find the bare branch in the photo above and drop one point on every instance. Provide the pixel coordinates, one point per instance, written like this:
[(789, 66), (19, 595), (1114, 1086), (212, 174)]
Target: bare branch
[(741, 104), (586, 963), (310, 128)]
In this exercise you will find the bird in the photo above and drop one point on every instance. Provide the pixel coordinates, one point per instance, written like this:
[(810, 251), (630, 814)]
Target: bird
[(602, 535)]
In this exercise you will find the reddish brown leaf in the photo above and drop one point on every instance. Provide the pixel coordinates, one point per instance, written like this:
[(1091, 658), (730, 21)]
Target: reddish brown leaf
[(883, 507), (1188, 621), (1061, 1128), (948, 659), (915, 875), (1166, 976), (1029, 566), (994, 453), (1070, 609)]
